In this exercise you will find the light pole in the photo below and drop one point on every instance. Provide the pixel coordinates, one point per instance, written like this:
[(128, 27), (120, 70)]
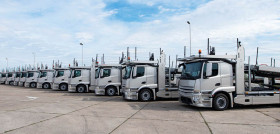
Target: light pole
[(34, 58), (190, 38), (82, 53), (7, 62)]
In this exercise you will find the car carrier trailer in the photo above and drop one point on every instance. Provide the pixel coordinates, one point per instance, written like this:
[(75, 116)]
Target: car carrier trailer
[(218, 81)]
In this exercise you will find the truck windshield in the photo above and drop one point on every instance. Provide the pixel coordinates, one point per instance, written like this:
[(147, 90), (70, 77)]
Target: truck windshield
[(23, 75), (192, 70), (97, 73), (10, 75), (18, 75), (30, 75), (127, 72), (59, 73), (43, 74)]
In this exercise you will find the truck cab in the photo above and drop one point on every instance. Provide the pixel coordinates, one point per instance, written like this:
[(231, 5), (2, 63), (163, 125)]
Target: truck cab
[(45, 78), (17, 77), (3, 78), (146, 80), (31, 79), (200, 77), (61, 79), (22, 78), (10, 78), (79, 80), (220, 81), (108, 79)]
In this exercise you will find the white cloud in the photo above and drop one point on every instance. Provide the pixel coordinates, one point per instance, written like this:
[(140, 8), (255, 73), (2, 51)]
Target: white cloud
[(61, 26)]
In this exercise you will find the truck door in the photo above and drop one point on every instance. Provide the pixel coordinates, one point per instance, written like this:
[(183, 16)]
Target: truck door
[(77, 77), (138, 77), (105, 77), (213, 80)]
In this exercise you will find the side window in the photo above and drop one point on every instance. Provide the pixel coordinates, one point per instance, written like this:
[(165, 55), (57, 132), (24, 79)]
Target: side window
[(77, 73), (215, 69), (140, 71), (106, 72)]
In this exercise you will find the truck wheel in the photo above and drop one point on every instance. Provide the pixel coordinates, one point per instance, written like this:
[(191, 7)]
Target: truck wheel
[(33, 85), (11, 83), (111, 91), (220, 102), (145, 95), (81, 89), (63, 87), (46, 86)]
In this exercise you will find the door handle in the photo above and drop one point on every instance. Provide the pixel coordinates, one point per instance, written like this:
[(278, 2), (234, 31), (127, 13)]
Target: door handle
[(32, 79), (217, 84), (144, 82), (109, 81), (62, 79), (46, 79), (80, 80)]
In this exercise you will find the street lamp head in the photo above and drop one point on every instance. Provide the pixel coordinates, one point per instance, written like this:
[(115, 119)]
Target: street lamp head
[(81, 44), (188, 22)]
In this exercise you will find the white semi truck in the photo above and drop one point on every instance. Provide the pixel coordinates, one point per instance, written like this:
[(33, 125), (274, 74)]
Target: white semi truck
[(3, 77), (61, 79), (10, 78), (146, 80), (108, 79), (82, 78), (31, 79), (22, 78), (17, 77), (219, 81), (45, 78)]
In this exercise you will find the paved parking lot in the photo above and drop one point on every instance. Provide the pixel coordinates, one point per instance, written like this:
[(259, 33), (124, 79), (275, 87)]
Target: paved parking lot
[(33, 111)]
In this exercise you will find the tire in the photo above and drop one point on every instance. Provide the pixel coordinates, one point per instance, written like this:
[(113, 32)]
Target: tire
[(33, 85), (63, 87), (145, 95), (46, 86), (81, 89), (111, 91), (11, 83), (220, 102)]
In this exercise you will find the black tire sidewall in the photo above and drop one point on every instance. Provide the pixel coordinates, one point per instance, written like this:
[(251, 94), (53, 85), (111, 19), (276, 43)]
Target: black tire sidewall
[(63, 85), (111, 88), (215, 103), (144, 90), (83, 90)]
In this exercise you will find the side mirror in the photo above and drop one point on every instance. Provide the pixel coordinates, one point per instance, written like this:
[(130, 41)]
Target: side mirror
[(208, 69)]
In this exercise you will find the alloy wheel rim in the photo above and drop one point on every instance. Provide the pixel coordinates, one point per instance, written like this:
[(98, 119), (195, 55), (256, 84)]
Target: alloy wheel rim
[(221, 102), (146, 95)]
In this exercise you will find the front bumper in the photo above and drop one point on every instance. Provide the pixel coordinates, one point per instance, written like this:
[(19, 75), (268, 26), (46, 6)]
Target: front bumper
[(128, 94), (99, 91), (27, 84), (72, 88), (39, 85), (55, 86), (196, 99)]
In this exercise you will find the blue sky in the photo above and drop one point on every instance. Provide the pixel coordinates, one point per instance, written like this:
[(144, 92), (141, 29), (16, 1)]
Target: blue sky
[(54, 29)]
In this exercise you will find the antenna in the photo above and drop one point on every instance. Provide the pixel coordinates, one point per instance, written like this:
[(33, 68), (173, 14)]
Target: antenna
[(257, 56), (135, 53), (184, 51), (128, 56), (237, 43), (176, 61), (208, 46), (271, 62), (274, 62)]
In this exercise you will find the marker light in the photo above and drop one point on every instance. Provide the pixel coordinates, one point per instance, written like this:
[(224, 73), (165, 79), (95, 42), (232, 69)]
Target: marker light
[(69, 65), (128, 58), (199, 51)]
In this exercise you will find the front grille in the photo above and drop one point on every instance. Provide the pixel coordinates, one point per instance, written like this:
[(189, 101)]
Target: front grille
[(186, 100), (186, 89)]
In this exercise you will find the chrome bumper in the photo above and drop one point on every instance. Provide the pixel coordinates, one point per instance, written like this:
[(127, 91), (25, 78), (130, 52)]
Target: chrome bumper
[(71, 88), (99, 91), (130, 95), (196, 99), (55, 86)]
